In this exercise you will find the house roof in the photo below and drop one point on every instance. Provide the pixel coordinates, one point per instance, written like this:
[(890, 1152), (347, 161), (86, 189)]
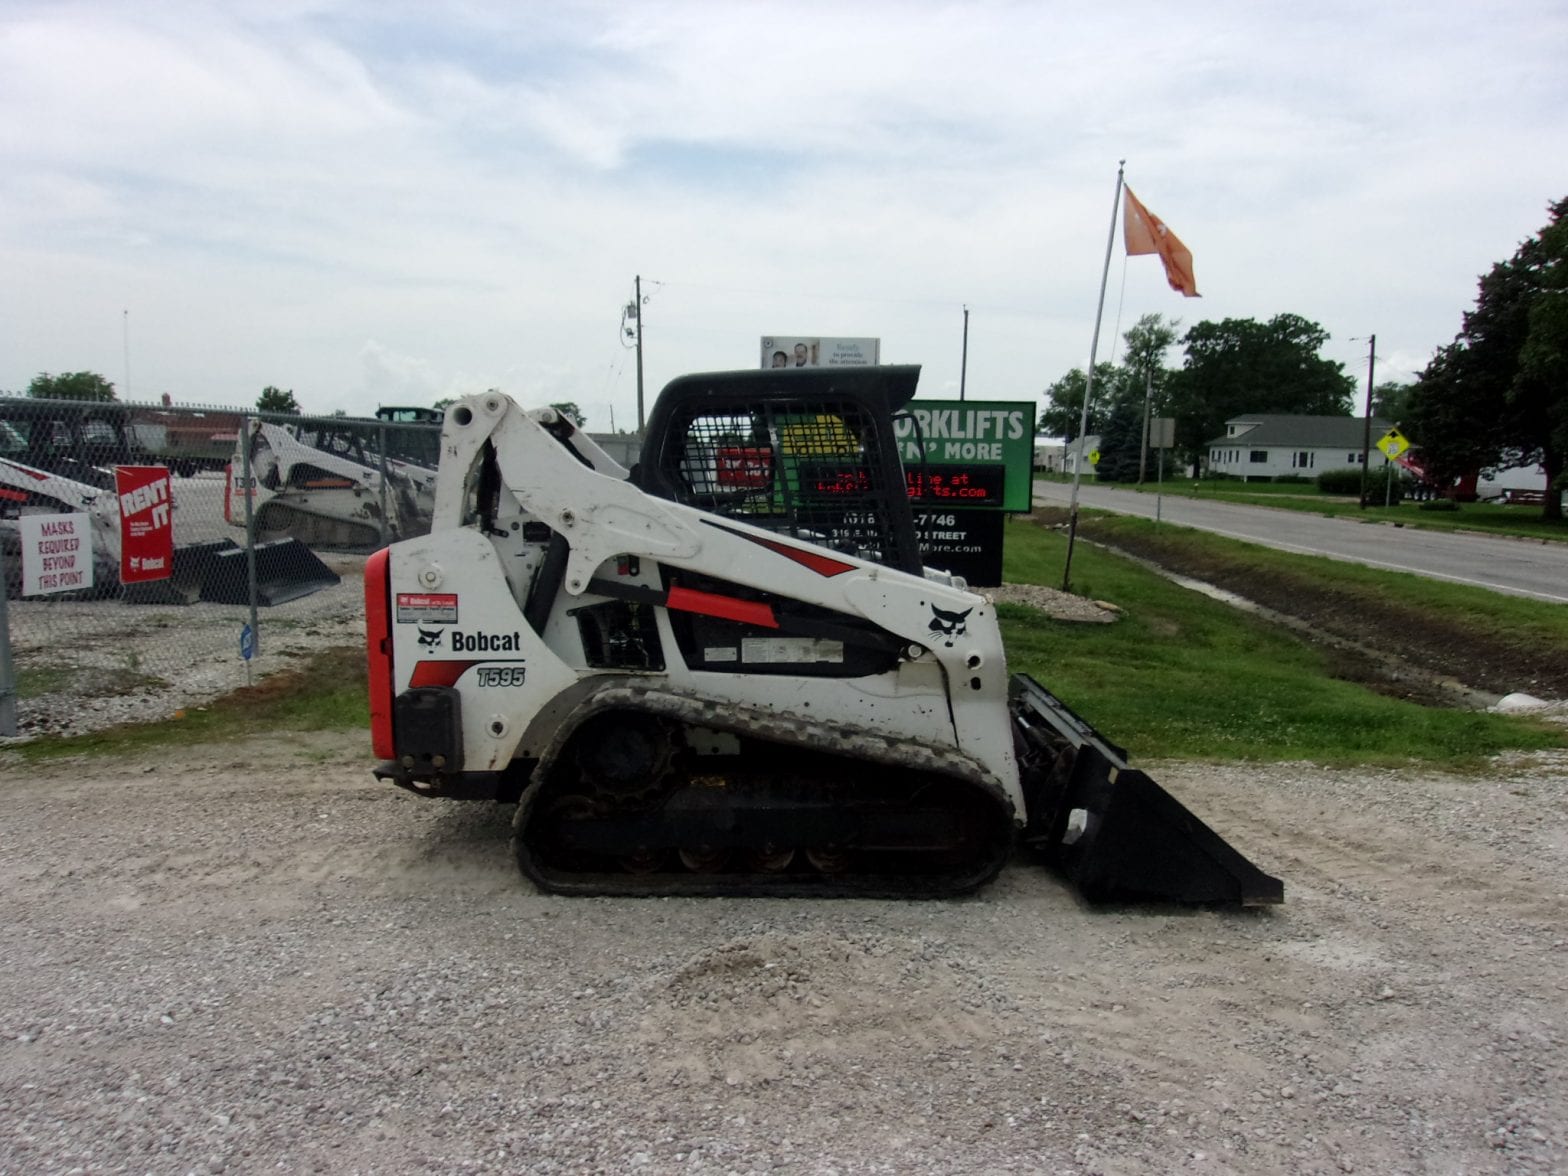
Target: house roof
[(1289, 431), (1088, 443)]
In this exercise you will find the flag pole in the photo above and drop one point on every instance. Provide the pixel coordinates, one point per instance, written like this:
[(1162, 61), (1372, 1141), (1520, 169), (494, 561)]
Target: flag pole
[(1088, 385)]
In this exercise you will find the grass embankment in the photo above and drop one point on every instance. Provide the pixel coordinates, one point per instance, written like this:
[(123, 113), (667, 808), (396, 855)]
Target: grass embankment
[(1489, 517), (1518, 620), (1184, 676)]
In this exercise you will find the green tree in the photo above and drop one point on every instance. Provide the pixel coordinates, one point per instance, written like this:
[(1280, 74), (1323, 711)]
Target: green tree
[(274, 399), (1064, 402), (1121, 441), (569, 408), (1454, 429), (1242, 365), (1391, 400), (1498, 394), (1145, 344), (71, 386)]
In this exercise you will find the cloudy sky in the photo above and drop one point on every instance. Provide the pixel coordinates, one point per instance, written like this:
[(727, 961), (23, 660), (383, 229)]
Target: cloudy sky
[(386, 203)]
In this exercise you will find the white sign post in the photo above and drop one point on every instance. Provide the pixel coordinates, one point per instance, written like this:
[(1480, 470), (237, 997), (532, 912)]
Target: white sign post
[(57, 553)]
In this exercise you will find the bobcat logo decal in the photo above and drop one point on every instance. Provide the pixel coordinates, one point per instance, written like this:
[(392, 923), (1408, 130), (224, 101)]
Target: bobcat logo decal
[(430, 638), (949, 624)]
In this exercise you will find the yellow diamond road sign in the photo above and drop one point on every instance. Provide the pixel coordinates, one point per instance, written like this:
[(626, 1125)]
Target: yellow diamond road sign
[(1393, 443), (1094, 457)]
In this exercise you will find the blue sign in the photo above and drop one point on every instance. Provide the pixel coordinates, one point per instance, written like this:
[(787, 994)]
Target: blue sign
[(247, 642)]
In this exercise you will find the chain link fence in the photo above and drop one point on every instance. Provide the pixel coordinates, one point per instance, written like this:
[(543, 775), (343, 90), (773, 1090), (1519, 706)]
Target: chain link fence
[(156, 557)]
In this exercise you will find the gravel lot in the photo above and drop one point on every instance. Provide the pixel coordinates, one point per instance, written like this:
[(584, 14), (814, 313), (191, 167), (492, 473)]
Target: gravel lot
[(84, 665), (252, 957), (109, 662)]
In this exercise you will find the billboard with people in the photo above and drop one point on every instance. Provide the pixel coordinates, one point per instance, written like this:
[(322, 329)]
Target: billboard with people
[(800, 351)]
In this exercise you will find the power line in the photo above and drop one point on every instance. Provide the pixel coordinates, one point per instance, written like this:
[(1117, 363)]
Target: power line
[(942, 303)]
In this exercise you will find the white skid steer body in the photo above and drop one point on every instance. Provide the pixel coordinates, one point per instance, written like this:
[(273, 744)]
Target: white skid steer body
[(726, 670)]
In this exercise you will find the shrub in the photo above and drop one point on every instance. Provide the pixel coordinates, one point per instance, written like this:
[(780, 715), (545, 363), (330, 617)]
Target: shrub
[(1385, 486), (1340, 481), (1381, 484)]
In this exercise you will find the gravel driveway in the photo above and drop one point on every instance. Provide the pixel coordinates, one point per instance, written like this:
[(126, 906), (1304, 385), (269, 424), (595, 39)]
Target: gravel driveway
[(252, 957)]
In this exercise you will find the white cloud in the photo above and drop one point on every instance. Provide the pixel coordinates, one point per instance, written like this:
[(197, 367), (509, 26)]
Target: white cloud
[(377, 202)]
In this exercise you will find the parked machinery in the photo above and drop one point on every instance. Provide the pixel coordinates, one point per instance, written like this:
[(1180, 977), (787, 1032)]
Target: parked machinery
[(60, 458), (321, 483), (726, 671)]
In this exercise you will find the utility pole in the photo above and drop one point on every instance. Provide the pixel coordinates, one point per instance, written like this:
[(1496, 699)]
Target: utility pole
[(963, 366), (1366, 435), (1148, 391), (125, 337), (637, 310)]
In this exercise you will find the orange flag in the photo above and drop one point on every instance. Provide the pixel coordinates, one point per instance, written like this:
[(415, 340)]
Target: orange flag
[(1146, 233)]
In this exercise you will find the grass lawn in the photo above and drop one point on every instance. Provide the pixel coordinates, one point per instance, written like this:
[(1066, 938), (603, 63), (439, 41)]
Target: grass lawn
[(1181, 675)]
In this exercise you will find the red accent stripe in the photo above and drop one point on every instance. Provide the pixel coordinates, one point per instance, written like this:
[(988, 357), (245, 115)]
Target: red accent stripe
[(711, 604), (31, 473), (823, 565), (13, 495), (438, 673), (378, 636)]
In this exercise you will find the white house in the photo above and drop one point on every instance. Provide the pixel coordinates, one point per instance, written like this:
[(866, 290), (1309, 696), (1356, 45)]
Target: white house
[(1049, 453), (1072, 451), (1275, 445)]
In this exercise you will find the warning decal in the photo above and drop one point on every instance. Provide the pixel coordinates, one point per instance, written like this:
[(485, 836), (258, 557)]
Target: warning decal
[(427, 608)]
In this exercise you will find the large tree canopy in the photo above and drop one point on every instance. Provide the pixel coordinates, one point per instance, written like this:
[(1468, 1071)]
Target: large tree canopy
[(1143, 365), (1242, 365), (1498, 394), (1390, 400), (71, 386), (1064, 402), (1145, 344), (275, 399)]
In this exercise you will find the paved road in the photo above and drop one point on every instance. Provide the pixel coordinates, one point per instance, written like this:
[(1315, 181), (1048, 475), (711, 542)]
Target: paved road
[(1516, 566)]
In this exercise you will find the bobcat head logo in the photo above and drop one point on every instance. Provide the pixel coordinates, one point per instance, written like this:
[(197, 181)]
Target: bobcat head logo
[(949, 624), (430, 638)]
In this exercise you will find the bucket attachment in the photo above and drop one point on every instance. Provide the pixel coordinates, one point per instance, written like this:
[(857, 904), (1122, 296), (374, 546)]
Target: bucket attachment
[(1111, 830), (285, 570), (216, 573), (187, 576)]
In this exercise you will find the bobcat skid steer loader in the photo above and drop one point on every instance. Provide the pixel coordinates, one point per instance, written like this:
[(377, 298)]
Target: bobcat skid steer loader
[(318, 484), (726, 671)]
